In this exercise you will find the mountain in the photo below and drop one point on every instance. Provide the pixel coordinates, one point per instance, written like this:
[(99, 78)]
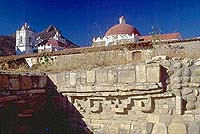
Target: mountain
[(51, 32), (7, 45)]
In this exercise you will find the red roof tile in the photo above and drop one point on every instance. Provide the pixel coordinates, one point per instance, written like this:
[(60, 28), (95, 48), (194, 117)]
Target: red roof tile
[(170, 36)]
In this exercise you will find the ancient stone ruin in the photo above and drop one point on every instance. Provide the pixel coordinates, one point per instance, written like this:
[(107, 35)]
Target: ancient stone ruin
[(158, 93)]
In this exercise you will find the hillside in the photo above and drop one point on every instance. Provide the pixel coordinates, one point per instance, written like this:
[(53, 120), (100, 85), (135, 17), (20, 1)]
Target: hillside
[(7, 45)]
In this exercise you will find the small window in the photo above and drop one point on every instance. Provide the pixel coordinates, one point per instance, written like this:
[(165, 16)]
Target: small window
[(29, 40), (20, 40), (136, 56)]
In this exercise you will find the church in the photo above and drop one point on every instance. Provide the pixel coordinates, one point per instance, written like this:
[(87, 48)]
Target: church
[(126, 33), (49, 40)]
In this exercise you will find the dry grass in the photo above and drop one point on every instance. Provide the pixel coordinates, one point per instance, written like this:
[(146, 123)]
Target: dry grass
[(74, 62), (88, 58)]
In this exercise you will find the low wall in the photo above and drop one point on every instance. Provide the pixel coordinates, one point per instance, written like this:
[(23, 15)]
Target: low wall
[(158, 97)]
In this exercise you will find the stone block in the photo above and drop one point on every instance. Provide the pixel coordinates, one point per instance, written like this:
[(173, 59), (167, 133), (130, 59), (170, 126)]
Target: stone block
[(90, 76), (153, 118), (26, 82), (170, 72), (21, 92), (187, 72), (176, 86), (153, 74), (126, 76), (187, 62), (141, 73), (35, 81), (163, 111), (125, 126), (112, 76), (196, 92), (165, 118), (14, 84), (36, 91), (196, 72), (176, 80), (195, 79), (149, 127), (42, 83), (83, 79), (177, 65), (197, 63), (177, 128), (190, 106), (194, 85), (85, 88), (60, 79), (194, 128), (177, 92), (101, 76), (160, 128), (4, 81), (186, 91), (166, 63), (99, 131), (67, 80), (186, 79), (66, 89), (179, 105), (72, 79), (191, 98), (123, 131), (188, 117), (178, 73)]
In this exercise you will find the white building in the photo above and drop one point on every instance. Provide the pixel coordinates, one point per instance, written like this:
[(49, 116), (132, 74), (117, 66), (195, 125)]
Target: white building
[(125, 33), (25, 40), (48, 40), (118, 33)]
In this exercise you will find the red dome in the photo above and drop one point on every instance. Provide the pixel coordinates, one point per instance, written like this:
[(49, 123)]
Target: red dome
[(122, 29)]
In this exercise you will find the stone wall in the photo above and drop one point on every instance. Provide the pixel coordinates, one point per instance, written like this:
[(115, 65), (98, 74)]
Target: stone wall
[(30, 103), (91, 59), (157, 97)]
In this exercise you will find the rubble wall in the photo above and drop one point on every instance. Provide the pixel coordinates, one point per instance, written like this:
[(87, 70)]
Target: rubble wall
[(157, 97)]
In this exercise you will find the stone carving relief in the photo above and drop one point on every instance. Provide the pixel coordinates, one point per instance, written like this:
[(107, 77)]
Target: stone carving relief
[(116, 105), (147, 105), (80, 105), (96, 105)]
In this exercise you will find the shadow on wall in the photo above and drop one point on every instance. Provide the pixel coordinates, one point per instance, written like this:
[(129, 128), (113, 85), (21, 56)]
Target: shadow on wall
[(34, 112), (164, 77)]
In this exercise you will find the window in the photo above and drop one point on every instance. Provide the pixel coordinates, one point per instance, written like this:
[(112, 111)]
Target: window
[(29, 40), (20, 40), (136, 56)]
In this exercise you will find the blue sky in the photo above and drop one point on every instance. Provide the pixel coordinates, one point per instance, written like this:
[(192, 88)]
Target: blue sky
[(80, 20)]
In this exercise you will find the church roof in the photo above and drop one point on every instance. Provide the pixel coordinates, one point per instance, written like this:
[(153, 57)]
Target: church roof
[(168, 36), (122, 28)]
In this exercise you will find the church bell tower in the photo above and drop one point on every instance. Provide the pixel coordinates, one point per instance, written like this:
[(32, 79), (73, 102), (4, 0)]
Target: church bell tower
[(25, 40)]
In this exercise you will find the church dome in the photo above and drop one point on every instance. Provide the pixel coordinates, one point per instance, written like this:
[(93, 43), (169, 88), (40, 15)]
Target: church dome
[(122, 28)]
